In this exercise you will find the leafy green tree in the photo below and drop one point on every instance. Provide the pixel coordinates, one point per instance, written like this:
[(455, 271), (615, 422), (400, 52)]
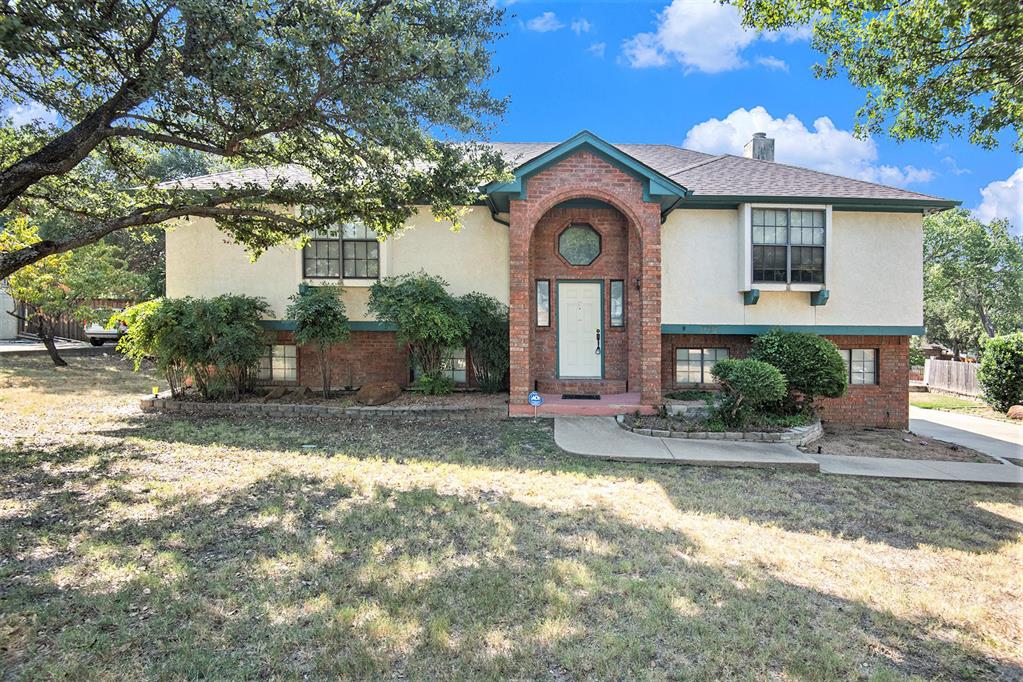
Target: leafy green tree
[(348, 106), (64, 285), (487, 340), (811, 364), (973, 279), (929, 67), (1001, 371), (428, 318), (321, 321)]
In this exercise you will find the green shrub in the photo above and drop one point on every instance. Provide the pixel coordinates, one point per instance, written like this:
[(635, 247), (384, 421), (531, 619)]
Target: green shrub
[(428, 319), (1001, 371), (916, 356), (487, 341), (747, 385), (214, 342), (431, 384), (811, 364), (320, 320)]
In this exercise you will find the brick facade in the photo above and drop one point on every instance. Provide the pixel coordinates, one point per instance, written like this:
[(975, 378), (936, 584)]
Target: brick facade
[(618, 260), (633, 355), (884, 404), (366, 357)]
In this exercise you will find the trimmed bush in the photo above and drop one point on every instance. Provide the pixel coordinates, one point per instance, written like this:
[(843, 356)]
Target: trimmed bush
[(1001, 371), (321, 321), (214, 342), (428, 319), (812, 365), (748, 385), (488, 340)]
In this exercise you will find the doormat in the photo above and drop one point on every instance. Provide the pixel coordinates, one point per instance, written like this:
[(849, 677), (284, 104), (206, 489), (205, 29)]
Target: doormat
[(579, 396)]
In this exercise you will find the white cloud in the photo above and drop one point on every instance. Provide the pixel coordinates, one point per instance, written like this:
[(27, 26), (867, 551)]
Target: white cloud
[(953, 167), (1003, 199), (825, 148), (548, 21), (580, 26), (702, 36), (20, 114), (597, 49), (773, 63)]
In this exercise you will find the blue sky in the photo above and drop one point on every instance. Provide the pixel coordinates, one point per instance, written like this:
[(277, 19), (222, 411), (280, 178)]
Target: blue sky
[(684, 73)]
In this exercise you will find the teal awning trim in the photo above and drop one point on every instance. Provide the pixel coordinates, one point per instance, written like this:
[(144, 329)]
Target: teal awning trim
[(828, 329), (357, 326), (656, 186)]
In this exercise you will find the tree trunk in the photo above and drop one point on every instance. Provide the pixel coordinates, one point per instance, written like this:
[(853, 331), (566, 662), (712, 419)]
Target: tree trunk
[(46, 336), (325, 372)]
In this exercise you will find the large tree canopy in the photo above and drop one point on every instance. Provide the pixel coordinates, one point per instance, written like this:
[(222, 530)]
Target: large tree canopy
[(973, 279), (361, 95), (929, 66)]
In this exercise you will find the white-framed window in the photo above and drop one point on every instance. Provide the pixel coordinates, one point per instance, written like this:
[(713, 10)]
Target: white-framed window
[(787, 245), (693, 365), (452, 365), (861, 365), (543, 303), (351, 252), (279, 362)]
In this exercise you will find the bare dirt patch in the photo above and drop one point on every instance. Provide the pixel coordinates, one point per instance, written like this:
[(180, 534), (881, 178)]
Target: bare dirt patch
[(889, 443), (467, 400)]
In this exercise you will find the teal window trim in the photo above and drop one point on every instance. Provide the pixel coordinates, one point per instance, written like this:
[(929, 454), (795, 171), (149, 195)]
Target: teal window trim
[(611, 304), (824, 329)]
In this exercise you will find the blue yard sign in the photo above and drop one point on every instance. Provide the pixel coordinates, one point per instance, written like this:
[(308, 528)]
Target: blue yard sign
[(535, 399)]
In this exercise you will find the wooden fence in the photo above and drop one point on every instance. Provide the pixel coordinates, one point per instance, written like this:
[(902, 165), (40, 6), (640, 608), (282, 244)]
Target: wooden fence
[(66, 327), (954, 377)]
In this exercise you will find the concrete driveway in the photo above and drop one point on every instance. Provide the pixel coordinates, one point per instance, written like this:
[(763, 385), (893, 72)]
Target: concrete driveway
[(995, 438)]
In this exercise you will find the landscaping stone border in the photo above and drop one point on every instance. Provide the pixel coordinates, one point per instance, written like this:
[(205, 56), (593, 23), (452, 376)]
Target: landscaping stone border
[(426, 413), (797, 435)]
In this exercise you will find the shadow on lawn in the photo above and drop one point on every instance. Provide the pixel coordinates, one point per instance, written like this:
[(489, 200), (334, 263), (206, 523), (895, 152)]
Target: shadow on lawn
[(902, 514), (296, 575)]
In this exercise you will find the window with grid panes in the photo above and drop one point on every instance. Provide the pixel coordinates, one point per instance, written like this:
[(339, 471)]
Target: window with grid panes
[(693, 365), (861, 364), (352, 253), (278, 363), (788, 245)]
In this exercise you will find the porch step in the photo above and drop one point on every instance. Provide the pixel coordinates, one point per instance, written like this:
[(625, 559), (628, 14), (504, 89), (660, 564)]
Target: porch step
[(608, 406), (593, 386)]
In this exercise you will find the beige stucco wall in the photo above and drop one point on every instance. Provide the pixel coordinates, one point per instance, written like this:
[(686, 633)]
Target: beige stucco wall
[(473, 259), (875, 275), (203, 261)]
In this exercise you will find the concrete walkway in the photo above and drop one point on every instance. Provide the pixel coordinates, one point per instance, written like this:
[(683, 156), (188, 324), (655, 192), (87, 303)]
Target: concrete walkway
[(601, 437), (995, 438)]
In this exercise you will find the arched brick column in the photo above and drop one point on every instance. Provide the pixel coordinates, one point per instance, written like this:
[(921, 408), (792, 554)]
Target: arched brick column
[(585, 175)]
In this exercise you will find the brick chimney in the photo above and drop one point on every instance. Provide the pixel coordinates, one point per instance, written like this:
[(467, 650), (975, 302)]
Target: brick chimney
[(760, 147)]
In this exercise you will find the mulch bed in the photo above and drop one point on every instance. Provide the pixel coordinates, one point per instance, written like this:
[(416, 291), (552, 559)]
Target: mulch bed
[(889, 443)]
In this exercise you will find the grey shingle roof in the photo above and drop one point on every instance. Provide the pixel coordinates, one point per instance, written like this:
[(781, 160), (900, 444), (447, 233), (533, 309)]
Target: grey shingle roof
[(291, 174), (705, 175)]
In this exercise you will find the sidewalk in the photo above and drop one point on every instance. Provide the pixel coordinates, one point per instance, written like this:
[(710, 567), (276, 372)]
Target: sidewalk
[(995, 438), (23, 347), (600, 437)]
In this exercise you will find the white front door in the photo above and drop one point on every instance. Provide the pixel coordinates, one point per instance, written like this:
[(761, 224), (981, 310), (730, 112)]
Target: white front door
[(580, 332)]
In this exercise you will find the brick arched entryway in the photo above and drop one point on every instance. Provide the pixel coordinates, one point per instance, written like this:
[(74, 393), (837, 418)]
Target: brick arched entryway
[(585, 175)]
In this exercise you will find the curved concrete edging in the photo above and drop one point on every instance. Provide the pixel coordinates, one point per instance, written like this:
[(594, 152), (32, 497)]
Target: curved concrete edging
[(798, 435)]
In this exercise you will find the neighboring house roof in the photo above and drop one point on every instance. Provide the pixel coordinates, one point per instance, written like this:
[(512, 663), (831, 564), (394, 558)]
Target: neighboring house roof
[(668, 172)]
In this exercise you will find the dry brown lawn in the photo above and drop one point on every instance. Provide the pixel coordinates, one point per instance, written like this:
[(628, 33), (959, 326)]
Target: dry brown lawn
[(135, 546)]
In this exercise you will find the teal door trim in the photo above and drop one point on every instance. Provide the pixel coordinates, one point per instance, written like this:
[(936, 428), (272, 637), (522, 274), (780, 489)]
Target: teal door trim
[(557, 331)]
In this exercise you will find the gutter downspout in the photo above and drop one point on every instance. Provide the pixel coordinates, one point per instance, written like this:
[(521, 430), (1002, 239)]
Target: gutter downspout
[(494, 212)]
